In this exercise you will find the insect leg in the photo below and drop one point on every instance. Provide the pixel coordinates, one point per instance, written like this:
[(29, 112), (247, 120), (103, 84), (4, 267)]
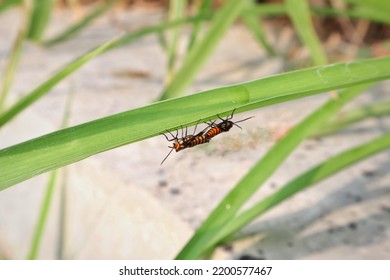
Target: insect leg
[(173, 137)]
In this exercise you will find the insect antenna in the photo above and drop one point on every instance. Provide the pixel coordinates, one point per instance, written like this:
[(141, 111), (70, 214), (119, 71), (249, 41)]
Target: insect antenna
[(235, 123), (167, 155)]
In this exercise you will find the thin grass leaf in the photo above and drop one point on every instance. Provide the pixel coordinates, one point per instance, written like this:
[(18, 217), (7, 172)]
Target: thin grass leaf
[(378, 9), (176, 12), (45, 87), (299, 13), (201, 51), (63, 147), (14, 59), (128, 38), (204, 8), (350, 117), (267, 10), (41, 13), (376, 6), (35, 244), (62, 221), (5, 5), (208, 233), (353, 12), (308, 179), (253, 22), (77, 27), (48, 198)]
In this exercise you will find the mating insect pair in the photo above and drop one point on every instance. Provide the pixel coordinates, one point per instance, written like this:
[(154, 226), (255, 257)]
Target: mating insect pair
[(204, 136)]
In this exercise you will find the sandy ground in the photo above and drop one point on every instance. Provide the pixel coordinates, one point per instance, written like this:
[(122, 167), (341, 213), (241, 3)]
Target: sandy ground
[(122, 204)]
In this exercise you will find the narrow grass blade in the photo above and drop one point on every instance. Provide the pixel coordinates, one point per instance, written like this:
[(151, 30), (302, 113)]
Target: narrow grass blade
[(13, 61), (44, 88), (128, 38), (8, 4), (48, 198), (380, 9), (206, 235), (34, 250), (318, 173), (253, 22), (355, 115), (299, 13), (377, 5), (76, 28), (63, 217), (267, 10), (176, 12), (352, 12), (40, 17), (64, 200), (199, 53), (63, 147), (204, 8)]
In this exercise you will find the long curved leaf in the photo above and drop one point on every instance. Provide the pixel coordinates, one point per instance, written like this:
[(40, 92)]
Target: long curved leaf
[(63, 147)]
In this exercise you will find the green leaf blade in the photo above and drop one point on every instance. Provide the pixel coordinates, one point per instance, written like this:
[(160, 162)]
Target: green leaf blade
[(299, 12), (44, 88), (63, 147)]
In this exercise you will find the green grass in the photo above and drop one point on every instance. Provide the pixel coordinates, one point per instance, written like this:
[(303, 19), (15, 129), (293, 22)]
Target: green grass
[(13, 60), (254, 23), (156, 29), (347, 118), (356, 12), (63, 147), (46, 86), (378, 10), (299, 13), (49, 152), (176, 12), (199, 54), (41, 13), (44, 212), (48, 198), (6, 4), (82, 24), (204, 8), (307, 179)]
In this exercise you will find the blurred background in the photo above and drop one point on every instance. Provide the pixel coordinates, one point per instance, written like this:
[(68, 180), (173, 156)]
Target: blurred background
[(121, 204)]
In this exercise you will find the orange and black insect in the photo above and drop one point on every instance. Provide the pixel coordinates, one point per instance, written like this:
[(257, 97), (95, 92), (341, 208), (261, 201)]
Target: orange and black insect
[(223, 126), (186, 141), (204, 136)]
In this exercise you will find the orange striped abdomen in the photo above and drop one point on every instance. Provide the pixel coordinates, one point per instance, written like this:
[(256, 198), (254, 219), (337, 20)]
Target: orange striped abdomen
[(199, 139), (213, 132)]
